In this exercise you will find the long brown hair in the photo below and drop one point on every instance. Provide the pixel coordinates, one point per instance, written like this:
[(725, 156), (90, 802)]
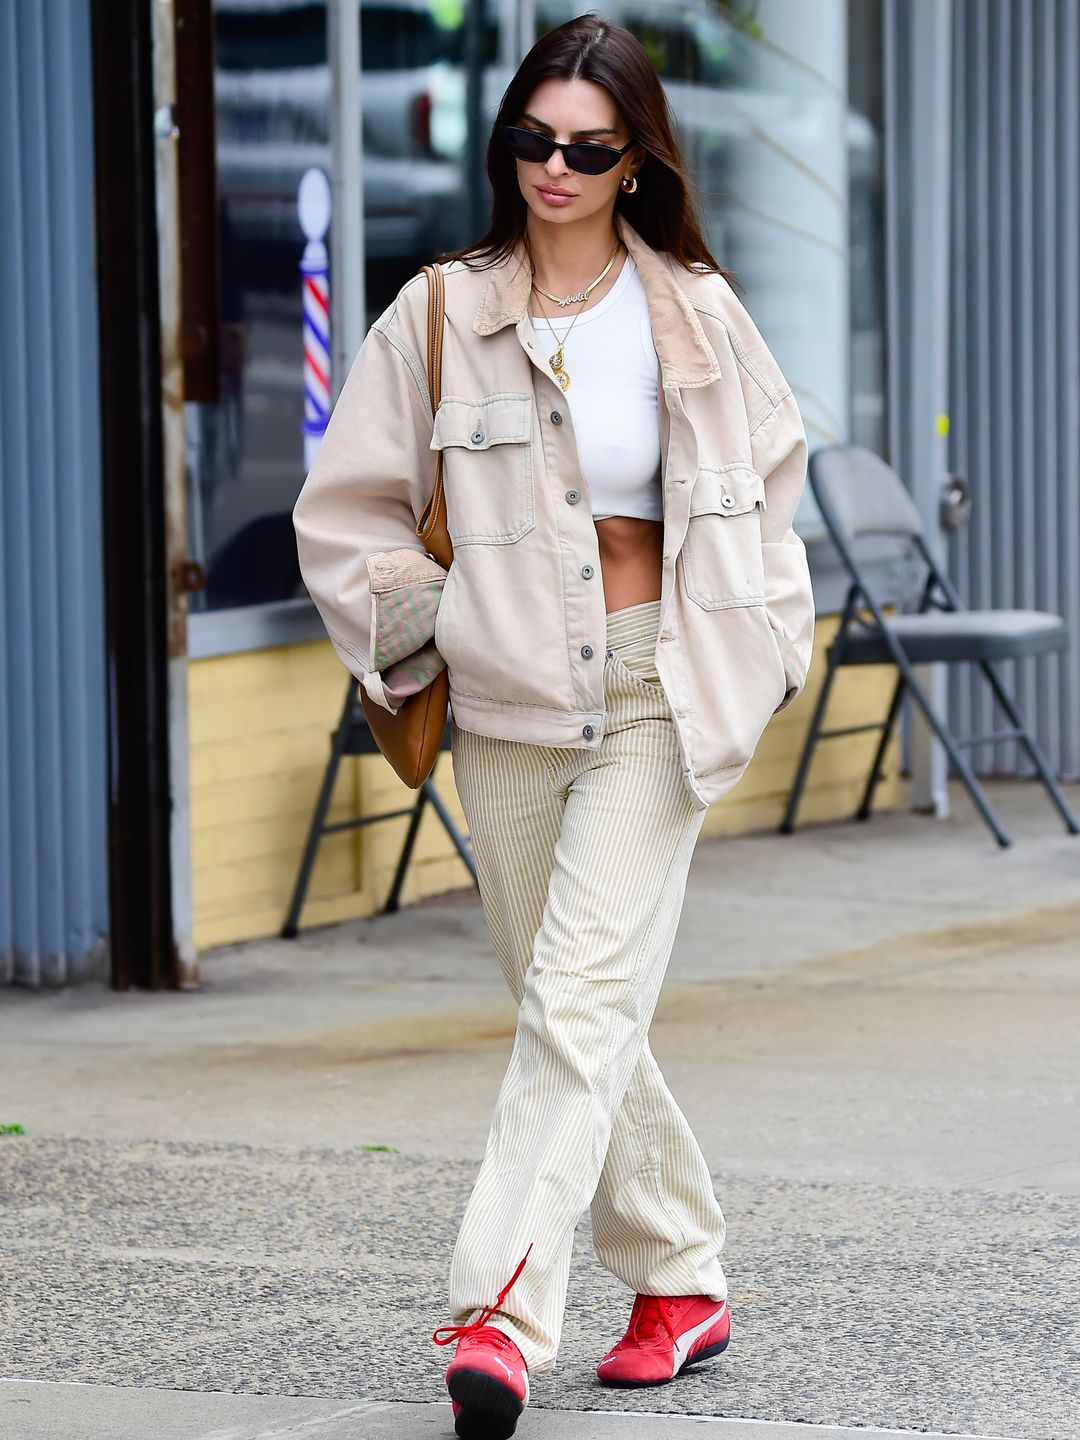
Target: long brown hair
[(662, 209)]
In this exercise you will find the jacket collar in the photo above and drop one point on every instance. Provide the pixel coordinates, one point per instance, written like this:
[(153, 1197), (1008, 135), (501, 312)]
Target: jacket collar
[(685, 355)]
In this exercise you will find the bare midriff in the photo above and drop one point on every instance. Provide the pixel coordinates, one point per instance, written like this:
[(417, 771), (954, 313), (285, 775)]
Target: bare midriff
[(631, 559)]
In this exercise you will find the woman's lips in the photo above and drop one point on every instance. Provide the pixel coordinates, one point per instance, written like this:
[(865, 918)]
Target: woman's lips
[(553, 197)]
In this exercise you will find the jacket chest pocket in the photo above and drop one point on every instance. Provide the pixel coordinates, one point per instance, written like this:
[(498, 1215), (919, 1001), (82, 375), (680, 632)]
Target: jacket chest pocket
[(487, 467), (721, 555)]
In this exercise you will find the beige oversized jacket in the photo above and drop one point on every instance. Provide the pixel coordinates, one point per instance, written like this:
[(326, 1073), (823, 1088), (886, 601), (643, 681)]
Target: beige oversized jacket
[(521, 620)]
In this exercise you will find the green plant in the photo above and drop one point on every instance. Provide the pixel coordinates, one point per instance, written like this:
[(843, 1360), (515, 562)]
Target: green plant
[(744, 20)]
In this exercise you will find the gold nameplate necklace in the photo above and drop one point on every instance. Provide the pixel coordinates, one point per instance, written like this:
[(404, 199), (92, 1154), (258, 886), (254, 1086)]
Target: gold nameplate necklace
[(558, 369)]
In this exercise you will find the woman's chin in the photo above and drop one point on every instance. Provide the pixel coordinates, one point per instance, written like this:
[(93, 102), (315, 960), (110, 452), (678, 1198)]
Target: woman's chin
[(555, 214)]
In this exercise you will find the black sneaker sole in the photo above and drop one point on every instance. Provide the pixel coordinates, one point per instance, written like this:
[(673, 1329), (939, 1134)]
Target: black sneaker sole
[(489, 1409), (706, 1354)]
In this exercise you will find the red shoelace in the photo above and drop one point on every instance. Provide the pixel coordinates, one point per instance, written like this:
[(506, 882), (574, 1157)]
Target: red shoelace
[(651, 1312), (455, 1332)]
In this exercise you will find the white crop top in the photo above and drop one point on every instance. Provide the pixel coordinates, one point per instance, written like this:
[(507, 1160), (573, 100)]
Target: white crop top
[(612, 396)]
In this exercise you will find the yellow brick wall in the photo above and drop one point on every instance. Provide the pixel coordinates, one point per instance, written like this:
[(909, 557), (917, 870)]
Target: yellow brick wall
[(259, 733)]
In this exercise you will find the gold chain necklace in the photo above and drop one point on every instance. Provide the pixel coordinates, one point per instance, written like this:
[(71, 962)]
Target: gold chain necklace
[(581, 294), (562, 375), (556, 360)]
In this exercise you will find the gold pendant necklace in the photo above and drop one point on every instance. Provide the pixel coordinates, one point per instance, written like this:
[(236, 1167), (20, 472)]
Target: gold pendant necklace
[(560, 372), (558, 369)]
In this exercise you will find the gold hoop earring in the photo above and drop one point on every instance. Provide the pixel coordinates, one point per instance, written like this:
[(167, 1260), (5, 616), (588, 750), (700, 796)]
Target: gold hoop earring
[(632, 185)]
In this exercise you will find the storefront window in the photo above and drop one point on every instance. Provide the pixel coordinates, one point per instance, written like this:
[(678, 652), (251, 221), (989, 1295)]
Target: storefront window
[(421, 64), (778, 108), (245, 454)]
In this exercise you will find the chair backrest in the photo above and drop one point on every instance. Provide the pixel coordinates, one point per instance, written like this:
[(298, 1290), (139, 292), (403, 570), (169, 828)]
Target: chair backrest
[(858, 494)]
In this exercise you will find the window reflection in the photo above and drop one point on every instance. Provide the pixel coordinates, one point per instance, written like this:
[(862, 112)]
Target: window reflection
[(780, 128), (778, 112), (272, 93)]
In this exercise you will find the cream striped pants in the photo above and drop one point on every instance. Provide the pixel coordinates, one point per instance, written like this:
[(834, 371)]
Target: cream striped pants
[(582, 858)]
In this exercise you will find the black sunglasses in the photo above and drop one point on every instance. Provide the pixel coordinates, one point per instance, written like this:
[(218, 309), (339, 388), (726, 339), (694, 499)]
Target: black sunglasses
[(587, 158)]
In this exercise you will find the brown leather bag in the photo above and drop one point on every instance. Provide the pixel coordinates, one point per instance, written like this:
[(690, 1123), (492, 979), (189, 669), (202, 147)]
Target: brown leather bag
[(412, 738)]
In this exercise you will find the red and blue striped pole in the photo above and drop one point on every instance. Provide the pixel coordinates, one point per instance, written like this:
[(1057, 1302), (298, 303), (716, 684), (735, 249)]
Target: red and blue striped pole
[(313, 206)]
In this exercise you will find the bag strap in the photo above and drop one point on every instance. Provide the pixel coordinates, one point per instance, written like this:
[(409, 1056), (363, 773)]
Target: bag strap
[(436, 316), (432, 521)]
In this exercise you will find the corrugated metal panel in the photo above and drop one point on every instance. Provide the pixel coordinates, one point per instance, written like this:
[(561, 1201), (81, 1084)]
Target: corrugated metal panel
[(1015, 361), (53, 827)]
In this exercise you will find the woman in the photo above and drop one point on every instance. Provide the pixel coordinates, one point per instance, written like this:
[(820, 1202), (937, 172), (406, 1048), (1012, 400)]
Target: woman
[(627, 607)]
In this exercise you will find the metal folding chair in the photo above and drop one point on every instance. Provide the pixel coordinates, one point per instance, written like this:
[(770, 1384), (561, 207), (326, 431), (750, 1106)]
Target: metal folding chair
[(859, 495), (354, 737)]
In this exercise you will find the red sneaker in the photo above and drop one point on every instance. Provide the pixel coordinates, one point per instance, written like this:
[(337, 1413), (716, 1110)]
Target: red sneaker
[(488, 1382), (488, 1378), (666, 1334)]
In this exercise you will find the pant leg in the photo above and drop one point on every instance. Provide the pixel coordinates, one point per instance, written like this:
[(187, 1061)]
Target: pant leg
[(656, 1221), (612, 907), (513, 808)]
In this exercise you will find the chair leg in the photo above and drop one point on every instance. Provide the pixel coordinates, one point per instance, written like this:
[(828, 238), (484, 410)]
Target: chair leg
[(1025, 737), (787, 824), (875, 776), (394, 897), (963, 769), (290, 928)]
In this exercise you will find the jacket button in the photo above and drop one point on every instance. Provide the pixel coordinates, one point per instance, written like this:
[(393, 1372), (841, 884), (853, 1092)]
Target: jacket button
[(727, 501), (588, 731), (588, 571), (586, 651), (556, 417), (572, 497), (478, 437)]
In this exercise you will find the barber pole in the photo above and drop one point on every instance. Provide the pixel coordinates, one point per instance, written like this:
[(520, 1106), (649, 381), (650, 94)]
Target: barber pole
[(313, 207)]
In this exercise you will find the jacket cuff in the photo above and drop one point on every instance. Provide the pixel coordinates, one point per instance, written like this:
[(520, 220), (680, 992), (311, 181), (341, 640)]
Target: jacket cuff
[(371, 680), (794, 670)]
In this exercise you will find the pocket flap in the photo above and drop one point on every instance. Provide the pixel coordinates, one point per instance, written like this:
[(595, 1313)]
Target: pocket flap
[(732, 490), (479, 424)]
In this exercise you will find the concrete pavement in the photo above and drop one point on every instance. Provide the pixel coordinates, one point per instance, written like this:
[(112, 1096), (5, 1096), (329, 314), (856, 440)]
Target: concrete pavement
[(873, 1030), (114, 1414)]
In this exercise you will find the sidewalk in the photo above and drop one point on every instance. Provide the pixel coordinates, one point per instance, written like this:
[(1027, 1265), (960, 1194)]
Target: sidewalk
[(872, 1028), (63, 1411)]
